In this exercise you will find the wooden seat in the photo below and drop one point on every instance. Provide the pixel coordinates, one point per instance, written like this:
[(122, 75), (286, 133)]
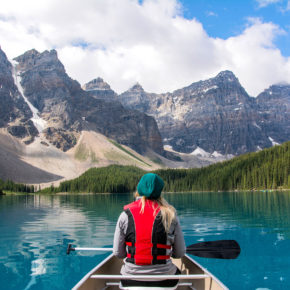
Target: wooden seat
[(144, 288)]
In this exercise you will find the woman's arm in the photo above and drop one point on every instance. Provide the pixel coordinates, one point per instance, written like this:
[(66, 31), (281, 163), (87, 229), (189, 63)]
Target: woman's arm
[(178, 247), (119, 247)]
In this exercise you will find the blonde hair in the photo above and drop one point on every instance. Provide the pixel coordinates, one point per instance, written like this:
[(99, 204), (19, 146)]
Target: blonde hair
[(168, 212)]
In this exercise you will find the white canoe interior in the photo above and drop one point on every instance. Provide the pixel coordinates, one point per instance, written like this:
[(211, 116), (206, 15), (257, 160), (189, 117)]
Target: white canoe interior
[(106, 276)]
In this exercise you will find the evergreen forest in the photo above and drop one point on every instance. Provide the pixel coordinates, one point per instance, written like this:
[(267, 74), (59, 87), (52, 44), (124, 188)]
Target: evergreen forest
[(111, 179), (267, 169), (11, 186)]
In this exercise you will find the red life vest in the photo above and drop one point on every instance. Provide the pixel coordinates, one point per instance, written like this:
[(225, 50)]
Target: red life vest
[(145, 237)]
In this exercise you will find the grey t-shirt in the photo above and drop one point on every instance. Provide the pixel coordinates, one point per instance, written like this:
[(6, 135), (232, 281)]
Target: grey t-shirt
[(174, 238)]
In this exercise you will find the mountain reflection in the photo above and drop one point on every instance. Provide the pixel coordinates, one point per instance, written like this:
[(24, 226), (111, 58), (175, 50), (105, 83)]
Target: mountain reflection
[(37, 228)]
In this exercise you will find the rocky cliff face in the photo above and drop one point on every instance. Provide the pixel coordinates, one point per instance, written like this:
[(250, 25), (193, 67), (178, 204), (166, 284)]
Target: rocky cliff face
[(68, 109), (100, 90), (274, 112), (128, 127), (51, 91), (215, 115), (47, 86), (105, 114), (136, 98), (14, 112)]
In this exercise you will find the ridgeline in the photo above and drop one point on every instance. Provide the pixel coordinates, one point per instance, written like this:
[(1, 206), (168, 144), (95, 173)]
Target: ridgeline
[(267, 169)]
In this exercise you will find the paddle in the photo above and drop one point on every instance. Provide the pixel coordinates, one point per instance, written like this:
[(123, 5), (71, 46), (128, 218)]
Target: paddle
[(222, 249)]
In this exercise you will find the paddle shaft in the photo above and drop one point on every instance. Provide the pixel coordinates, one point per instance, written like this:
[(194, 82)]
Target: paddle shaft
[(70, 249), (221, 249), (93, 249)]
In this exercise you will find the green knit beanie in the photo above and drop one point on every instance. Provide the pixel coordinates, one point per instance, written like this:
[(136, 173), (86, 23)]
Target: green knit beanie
[(150, 185)]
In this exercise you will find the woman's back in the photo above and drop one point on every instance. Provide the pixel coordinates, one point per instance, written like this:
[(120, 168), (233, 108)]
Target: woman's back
[(148, 232)]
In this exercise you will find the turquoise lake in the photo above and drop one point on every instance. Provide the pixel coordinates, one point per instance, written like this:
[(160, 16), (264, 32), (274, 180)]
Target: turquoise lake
[(36, 229)]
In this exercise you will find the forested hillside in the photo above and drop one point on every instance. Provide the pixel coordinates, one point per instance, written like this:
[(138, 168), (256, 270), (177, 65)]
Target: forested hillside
[(15, 187), (267, 169), (114, 178)]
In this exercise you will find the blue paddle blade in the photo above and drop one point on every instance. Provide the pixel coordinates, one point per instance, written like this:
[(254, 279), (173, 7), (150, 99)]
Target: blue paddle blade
[(221, 249)]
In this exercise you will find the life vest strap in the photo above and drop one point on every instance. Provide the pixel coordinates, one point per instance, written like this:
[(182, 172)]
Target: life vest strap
[(158, 257), (164, 257), (162, 246), (158, 246), (155, 258)]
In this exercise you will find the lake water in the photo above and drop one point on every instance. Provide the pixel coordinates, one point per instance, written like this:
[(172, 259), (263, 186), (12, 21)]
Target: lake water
[(36, 229)]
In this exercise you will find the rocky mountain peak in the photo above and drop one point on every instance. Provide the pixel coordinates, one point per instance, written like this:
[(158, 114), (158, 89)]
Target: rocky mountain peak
[(278, 90), (223, 89), (34, 59), (30, 53), (136, 88), (96, 84), (28, 57), (224, 79), (226, 75), (99, 89), (274, 95)]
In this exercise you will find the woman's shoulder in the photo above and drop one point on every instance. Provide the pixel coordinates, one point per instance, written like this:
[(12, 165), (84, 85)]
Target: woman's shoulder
[(132, 204)]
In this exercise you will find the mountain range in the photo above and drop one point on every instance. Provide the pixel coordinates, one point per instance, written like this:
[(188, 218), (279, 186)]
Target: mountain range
[(45, 113), (216, 115)]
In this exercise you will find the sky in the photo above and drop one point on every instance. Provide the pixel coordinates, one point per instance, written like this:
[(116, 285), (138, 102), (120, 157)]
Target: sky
[(162, 44)]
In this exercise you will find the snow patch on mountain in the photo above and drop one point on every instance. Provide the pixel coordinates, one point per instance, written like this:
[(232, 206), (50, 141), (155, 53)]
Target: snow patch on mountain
[(273, 141), (217, 155), (200, 152), (38, 122), (209, 88)]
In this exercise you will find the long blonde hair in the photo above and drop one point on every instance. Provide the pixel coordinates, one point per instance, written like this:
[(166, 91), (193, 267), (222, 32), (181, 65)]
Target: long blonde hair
[(168, 212)]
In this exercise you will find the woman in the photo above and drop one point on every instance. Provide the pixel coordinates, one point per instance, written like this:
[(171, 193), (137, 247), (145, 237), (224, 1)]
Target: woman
[(148, 233)]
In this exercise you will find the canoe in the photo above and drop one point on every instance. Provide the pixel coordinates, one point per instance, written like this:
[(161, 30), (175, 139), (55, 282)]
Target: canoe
[(106, 275)]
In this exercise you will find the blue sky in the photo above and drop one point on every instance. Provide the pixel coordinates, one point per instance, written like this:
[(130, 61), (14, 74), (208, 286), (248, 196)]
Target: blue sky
[(226, 18), (162, 44)]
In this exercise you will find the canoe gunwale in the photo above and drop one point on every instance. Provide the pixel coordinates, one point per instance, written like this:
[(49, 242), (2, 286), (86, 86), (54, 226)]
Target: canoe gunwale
[(90, 275), (208, 273)]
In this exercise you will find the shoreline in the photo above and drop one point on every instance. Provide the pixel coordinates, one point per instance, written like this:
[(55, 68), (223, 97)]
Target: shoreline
[(127, 193)]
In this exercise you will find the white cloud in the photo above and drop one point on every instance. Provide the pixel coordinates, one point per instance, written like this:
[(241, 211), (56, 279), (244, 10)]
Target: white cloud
[(288, 6), (264, 3), (211, 13), (124, 41), (255, 59)]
